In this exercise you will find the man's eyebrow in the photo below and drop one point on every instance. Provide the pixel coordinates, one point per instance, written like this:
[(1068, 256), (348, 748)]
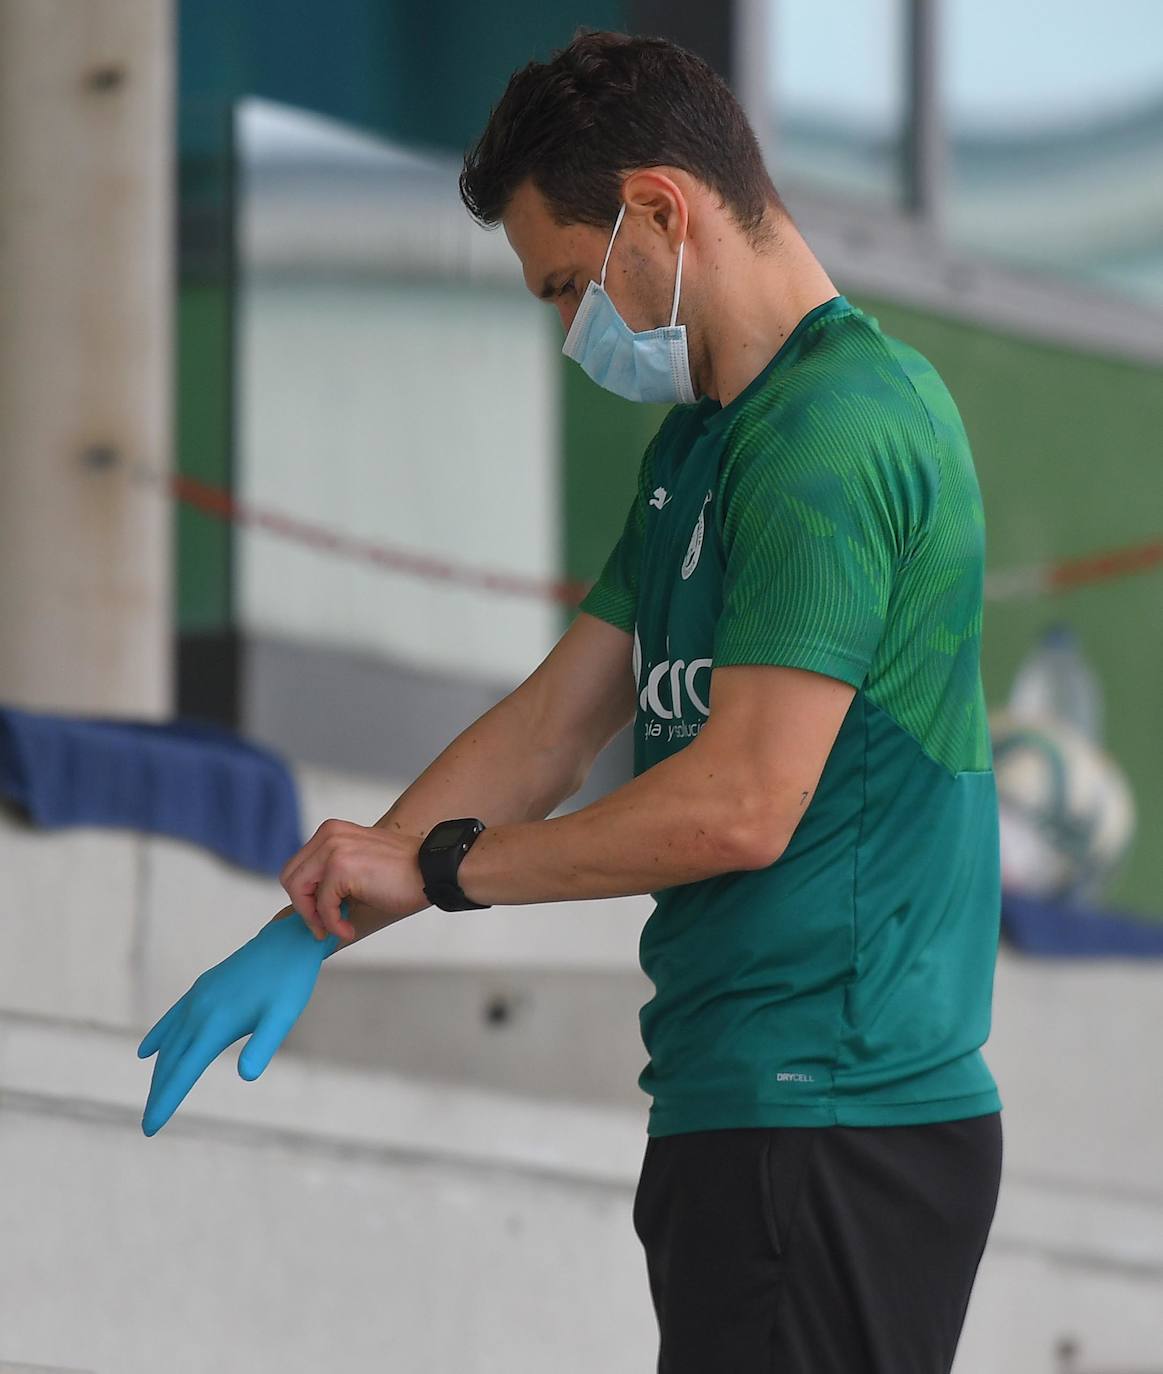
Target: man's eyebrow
[(549, 290)]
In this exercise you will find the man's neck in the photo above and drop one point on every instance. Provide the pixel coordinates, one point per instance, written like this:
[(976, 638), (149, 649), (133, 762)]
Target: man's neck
[(756, 302)]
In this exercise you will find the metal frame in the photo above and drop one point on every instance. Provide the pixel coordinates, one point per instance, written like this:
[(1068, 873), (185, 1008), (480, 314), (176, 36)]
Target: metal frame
[(925, 141)]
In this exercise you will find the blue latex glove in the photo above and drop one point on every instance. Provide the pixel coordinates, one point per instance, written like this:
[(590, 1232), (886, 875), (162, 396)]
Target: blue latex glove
[(260, 991)]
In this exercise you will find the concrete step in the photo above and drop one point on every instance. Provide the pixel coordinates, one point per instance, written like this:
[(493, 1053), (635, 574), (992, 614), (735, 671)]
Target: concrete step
[(6, 1368)]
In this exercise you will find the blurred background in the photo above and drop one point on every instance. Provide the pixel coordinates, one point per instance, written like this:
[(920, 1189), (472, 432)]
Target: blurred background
[(295, 483)]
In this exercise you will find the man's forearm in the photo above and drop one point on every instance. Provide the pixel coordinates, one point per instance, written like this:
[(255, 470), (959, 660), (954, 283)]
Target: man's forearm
[(673, 824), (495, 769)]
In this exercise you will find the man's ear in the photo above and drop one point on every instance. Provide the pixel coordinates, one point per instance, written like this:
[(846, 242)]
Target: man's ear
[(660, 201)]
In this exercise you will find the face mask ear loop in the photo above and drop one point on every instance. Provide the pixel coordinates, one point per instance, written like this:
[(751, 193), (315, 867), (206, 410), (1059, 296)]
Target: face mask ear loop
[(677, 287), (610, 246)]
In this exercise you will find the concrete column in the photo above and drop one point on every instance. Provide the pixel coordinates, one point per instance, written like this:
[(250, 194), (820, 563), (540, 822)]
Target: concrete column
[(86, 137)]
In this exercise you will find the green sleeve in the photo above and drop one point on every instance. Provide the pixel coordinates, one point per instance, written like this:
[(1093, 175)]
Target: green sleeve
[(614, 596), (811, 539)]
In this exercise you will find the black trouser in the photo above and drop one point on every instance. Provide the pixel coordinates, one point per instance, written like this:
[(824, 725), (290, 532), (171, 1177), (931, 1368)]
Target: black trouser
[(816, 1249)]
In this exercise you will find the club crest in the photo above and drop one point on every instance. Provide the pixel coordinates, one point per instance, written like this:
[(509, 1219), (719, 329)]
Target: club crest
[(695, 547)]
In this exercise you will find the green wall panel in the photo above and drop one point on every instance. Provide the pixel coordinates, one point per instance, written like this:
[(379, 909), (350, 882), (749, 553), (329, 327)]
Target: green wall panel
[(603, 440), (1069, 452)]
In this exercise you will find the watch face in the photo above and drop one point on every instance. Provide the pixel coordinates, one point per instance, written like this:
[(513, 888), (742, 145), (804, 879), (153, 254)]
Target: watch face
[(444, 836)]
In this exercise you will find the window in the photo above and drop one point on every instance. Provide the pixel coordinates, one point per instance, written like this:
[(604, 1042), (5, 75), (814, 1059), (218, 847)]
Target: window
[(1054, 114), (840, 84)]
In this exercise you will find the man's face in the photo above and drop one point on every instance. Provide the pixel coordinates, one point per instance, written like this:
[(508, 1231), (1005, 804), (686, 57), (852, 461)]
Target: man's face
[(559, 261)]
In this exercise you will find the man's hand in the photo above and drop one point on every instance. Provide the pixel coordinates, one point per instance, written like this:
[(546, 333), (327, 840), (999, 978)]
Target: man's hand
[(368, 864), (259, 991)]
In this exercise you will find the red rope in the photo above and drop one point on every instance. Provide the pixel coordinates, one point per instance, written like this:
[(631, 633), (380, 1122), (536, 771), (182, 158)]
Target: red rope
[(1035, 580), (1100, 567), (223, 505)]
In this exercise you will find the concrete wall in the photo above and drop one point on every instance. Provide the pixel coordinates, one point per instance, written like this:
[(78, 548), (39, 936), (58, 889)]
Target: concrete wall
[(422, 1184), (328, 1220)]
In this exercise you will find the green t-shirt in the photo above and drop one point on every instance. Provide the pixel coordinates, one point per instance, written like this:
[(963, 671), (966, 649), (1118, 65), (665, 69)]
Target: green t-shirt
[(829, 518)]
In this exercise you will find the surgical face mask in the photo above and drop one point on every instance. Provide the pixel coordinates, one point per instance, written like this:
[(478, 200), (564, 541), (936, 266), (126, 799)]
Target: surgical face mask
[(648, 365)]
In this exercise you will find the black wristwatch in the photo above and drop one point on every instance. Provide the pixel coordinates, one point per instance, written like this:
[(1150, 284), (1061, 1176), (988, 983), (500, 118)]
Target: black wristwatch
[(441, 851)]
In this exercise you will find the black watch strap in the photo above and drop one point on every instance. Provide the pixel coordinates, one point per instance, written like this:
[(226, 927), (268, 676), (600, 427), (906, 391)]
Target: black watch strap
[(441, 853)]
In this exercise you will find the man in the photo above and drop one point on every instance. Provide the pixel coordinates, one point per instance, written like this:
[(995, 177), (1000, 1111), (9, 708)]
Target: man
[(792, 618)]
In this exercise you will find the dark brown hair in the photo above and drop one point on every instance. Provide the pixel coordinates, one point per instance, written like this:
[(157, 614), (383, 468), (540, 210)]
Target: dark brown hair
[(601, 107)]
